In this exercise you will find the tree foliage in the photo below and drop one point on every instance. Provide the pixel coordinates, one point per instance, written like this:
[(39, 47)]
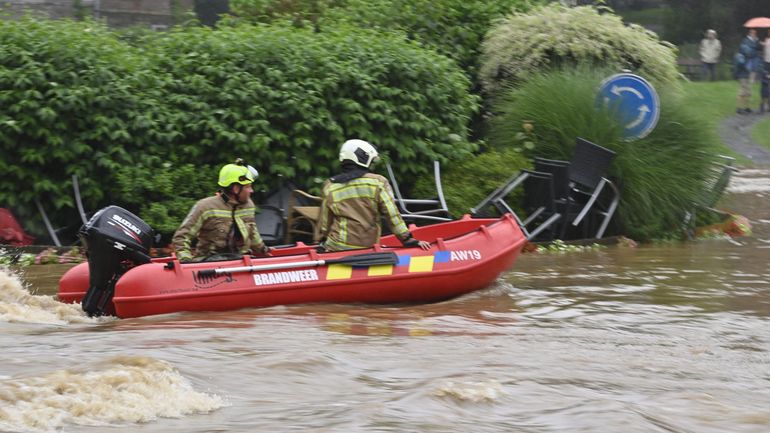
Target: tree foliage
[(526, 44)]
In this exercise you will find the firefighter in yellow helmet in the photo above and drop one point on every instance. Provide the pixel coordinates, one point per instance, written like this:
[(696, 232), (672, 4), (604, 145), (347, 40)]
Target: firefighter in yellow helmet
[(355, 201), (225, 222)]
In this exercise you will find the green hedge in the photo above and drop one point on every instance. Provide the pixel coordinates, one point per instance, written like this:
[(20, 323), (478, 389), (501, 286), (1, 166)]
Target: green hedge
[(68, 106), (455, 28), (121, 117)]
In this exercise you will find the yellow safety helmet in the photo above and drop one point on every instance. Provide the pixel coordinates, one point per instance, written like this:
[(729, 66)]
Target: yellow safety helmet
[(237, 173)]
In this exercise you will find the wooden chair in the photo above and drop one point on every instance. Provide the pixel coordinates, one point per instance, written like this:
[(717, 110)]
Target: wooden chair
[(302, 219)]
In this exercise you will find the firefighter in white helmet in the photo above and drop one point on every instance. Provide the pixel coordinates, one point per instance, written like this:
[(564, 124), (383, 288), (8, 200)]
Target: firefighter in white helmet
[(355, 201)]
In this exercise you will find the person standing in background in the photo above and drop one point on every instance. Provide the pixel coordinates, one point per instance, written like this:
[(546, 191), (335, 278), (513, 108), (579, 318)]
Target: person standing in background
[(747, 69), (710, 49)]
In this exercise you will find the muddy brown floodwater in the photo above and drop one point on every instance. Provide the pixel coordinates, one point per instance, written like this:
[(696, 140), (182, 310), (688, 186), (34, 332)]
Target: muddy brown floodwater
[(670, 338)]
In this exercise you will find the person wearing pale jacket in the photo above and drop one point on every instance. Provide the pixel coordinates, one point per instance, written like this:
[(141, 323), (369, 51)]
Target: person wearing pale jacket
[(710, 49)]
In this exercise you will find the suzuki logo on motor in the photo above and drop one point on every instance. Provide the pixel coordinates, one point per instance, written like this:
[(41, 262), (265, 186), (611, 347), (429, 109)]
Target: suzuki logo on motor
[(119, 246), (126, 223)]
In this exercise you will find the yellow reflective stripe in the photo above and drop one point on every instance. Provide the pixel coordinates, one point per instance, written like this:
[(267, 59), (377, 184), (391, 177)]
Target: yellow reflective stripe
[(216, 213), (421, 264), (339, 272), (399, 227), (244, 212), (343, 230), (354, 191), (378, 270)]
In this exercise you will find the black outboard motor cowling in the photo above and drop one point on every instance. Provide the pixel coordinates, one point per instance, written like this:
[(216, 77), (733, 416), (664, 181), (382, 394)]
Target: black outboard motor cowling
[(115, 241)]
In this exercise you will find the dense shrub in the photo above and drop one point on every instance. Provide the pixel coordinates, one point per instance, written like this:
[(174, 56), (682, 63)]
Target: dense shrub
[(286, 98), (67, 106), (124, 118), (525, 44), (453, 27), (164, 198), (660, 175)]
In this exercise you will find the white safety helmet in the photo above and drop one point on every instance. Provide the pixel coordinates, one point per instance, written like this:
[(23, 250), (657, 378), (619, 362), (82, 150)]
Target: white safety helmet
[(359, 151)]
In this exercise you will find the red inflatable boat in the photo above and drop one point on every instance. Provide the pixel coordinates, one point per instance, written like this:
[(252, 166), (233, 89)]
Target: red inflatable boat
[(466, 255)]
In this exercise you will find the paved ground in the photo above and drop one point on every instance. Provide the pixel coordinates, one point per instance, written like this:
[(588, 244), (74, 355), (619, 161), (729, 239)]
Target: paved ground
[(736, 133)]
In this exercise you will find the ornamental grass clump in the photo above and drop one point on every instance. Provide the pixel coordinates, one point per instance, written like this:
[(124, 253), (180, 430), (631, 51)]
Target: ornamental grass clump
[(523, 45), (660, 176)]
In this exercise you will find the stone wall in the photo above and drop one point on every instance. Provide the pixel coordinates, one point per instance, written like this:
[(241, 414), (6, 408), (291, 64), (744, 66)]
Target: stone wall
[(158, 14)]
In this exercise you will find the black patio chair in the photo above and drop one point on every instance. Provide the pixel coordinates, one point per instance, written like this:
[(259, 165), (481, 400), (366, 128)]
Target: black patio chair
[(421, 210), (539, 203), (587, 182), (272, 214)]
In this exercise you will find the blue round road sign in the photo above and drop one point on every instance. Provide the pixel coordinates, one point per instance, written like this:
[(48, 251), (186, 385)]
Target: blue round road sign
[(634, 101)]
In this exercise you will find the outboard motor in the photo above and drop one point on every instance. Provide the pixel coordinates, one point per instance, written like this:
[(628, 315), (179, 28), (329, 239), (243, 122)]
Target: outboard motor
[(115, 241)]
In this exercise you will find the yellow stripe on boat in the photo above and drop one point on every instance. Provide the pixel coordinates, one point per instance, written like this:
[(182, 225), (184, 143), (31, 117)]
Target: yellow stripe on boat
[(421, 264), (378, 270), (339, 272)]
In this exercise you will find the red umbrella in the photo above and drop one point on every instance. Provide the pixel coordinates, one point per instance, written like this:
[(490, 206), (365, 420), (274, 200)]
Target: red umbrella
[(757, 22)]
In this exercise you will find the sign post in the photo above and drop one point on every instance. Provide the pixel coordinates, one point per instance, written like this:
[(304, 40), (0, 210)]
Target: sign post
[(633, 101)]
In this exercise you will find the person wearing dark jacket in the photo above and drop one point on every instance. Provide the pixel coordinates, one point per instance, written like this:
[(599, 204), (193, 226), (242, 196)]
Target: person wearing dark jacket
[(747, 68)]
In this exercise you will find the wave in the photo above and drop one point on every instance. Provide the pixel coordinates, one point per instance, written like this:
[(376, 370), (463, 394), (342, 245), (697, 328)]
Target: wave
[(118, 391), (17, 304)]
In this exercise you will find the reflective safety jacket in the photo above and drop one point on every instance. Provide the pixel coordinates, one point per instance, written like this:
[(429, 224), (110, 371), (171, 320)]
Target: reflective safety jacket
[(351, 213), (220, 226)]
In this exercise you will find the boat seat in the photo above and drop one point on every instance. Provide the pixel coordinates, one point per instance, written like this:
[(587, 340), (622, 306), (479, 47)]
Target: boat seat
[(302, 219)]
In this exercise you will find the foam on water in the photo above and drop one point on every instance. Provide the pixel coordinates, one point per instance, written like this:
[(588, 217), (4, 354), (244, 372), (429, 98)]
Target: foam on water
[(475, 392), (119, 391), (17, 304)]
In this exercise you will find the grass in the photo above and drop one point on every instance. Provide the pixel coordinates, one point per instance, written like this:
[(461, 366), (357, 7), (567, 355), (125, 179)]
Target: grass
[(761, 132), (716, 102)]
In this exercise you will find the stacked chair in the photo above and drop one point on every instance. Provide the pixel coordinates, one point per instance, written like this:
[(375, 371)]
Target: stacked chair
[(561, 197)]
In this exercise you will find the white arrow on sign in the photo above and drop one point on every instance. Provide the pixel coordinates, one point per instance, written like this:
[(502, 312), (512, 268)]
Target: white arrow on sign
[(643, 110), (617, 90)]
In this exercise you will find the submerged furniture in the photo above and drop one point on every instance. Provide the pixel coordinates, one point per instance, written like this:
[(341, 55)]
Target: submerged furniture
[(539, 203), (302, 219), (587, 182), (271, 223), (559, 195), (720, 172), (273, 213), (417, 210)]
